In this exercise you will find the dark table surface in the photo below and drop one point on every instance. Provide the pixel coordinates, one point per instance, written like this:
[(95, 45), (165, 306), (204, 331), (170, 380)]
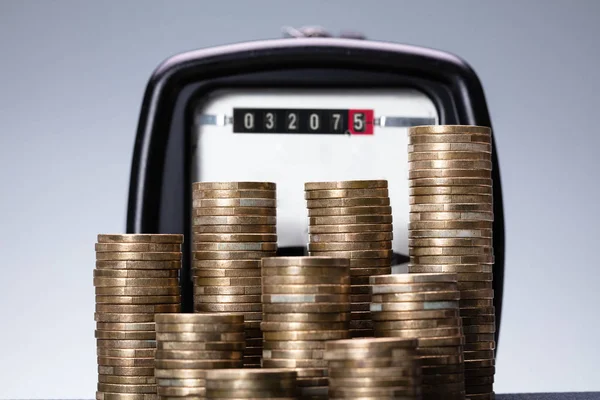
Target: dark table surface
[(550, 396)]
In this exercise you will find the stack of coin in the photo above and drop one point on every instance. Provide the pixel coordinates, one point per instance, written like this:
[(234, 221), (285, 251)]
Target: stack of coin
[(425, 307), (189, 344), (272, 383), (306, 301), (353, 219), (136, 276), (451, 217), (383, 368), (234, 227)]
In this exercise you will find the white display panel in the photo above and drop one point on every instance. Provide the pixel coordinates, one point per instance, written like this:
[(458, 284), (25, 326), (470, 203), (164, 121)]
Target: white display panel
[(290, 160)]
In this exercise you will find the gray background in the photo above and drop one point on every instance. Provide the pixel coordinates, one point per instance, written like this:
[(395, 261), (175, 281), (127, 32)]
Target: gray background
[(72, 75)]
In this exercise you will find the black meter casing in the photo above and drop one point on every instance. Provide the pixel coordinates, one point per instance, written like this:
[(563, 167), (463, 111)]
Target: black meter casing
[(160, 183)]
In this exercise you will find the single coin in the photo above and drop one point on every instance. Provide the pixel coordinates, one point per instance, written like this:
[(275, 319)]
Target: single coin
[(234, 211), (231, 255), (138, 265), (228, 299), (350, 219), (471, 373), (304, 262), (292, 354), (476, 364), (365, 393), (198, 328), (305, 289), (471, 329), (131, 273), (359, 254), (347, 211), (474, 277), (237, 229), (345, 193), (477, 294), (138, 299), (306, 335), (233, 202), (216, 273), (193, 364), (449, 251), (181, 391), (235, 246), (358, 184), (383, 372), (418, 296), (126, 335), (448, 155), (449, 164), (410, 306), (126, 371), (449, 138), (126, 326), (120, 317), (339, 271), (226, 264), (293, 363), (451, 207), (443, 147), (441, 360), (351, 228), (229, 307), (478, 346), (158, 247), (234, 220), (126, 362), (305, 298), (477, 285), (418, 324), (351, 237), (128, 380), (125, 396), (180, 374), (422, 225), (451, 190), (420, 333), (343, 246), (179, 382), (222, 290), (414, 287), (483, 259), (460, 269), (135, 282), (479, 337), (476, 303), (307, 307), (225, 194), (415, 315), (198, 355), (451, 216), (268, 326), (227, 281), (449, 173), (138, 308), (449, 129), (440, 351), (140, 238), (233, 237), (125, 353), (138, 256), (294, 345), (348, 202), (137, 291), (306, 317), (126, 344), (373, 382), (275, 280), (233, 186), (412, 278), (451, 198), (201, 346)]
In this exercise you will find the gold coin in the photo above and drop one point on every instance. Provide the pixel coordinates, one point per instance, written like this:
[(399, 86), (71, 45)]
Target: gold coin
[(227, 281), (345, 193), (200, 336), (347, 211), (272, 384), (352, 228), (138, 265), (475, 364), (234, 220), (450, 242), (414, 306), (180, 374), (126, 396), (351, 237), (450, 233), (228, 299), (234, 211), (359, 254), (213, 290), (230, 307), (373, 382), (126, 371), (448, 155), (339, 271), (479, 355), (131, 380), (483, 259), (140, 238), (226, 264), (179, 382), (234, 186), (348, 202), (477, 329), (449, 129), (306, 307), (444, 147), (414, 287), (135, 282), (231, 255), (420, 333), (304, 262), (412, 278), (437, 295), (480, 319), (125, 335), (234, 202), (181, 391), (193, 364), (384, 372), (125, 362), (143, 353), (115, 273), (440, 351), (119, 317), (475, 285), (234, 237), (293, 354), (448, 173), (207, 273), (293, 363), (305, 289), (100, 299), (268, 326), (199, 328), (343, 246), (477, 346), (304, 298), (237, 229), (138, 256), (449, 138), (370, 263), (449, 164), (201, 346), (350, 219), (295, 345), (418, 324), (423, 225), (454, 268), (449, 251), (365, 393), (235, 246), (296, 317), (358, 184), (451, 207), (119, 247), (126, 344), (271, 280), (451, 198), (126, 326), (450, 190), (477, 294), (138, 291), (198, 355), (226, 194), (471, 277)]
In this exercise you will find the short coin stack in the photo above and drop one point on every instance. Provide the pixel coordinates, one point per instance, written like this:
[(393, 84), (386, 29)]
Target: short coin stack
[(451, 231), (381, 368), (189, 344), (306, 302), (234, 225), (353, 219), (424, 307), (136, 276), (227, 384)]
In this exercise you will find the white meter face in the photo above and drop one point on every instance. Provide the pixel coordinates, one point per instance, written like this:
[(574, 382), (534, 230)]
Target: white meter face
[(295, 136)]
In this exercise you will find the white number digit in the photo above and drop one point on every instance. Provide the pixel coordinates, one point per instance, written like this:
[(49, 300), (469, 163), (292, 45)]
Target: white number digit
[(292, 118), (270, 118), (336, 121), (249, 121), (314, 122), (359, 121)]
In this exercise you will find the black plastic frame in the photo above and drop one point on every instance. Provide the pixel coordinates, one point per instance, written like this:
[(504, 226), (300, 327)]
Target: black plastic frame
[(160, 190)]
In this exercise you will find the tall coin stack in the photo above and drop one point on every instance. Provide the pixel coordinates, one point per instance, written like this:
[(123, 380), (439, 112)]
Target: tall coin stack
[(227, 384), (234, 225), (189, 344), (136, 276), (306, 302), (425, 307), (353, 219), (451, 219), (381, 368)]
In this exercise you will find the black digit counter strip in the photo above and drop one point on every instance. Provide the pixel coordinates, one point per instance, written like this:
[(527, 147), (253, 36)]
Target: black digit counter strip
[(284, 120)]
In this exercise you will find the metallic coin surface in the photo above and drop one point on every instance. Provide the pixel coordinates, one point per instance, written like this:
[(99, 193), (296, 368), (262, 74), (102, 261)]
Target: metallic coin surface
[(140, 238)]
